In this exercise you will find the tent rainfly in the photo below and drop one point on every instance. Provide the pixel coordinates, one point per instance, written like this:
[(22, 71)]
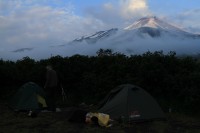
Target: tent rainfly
[(30, 96), (131, 103)]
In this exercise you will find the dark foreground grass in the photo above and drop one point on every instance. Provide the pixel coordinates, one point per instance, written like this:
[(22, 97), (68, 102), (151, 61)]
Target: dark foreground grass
[(12, 122)]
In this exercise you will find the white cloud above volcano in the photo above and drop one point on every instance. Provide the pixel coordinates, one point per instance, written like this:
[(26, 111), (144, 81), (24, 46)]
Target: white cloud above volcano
[(134, 8)]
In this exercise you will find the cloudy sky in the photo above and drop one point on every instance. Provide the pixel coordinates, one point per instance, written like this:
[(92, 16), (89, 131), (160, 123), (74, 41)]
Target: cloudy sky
[(29, 24)]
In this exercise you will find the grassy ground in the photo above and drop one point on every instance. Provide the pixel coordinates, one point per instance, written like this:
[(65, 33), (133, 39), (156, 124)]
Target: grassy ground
[(12, 122)]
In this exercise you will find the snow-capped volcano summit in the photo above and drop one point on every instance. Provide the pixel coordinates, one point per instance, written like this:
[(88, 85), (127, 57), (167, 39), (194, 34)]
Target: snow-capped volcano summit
[(152, 22), (155, 27)]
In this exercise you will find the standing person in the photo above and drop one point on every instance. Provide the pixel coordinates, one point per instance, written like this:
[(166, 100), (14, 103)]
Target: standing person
[(50, 87)]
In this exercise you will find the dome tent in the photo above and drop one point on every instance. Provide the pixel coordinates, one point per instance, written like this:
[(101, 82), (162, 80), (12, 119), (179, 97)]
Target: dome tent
[(30, 96), (131, 103)]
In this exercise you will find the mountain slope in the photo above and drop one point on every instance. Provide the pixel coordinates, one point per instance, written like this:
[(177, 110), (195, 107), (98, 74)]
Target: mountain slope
[(146, 34), (145, 27), (97, 36), (155, 27)]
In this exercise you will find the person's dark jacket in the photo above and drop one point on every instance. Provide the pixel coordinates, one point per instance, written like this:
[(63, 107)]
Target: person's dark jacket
[(51, 79)]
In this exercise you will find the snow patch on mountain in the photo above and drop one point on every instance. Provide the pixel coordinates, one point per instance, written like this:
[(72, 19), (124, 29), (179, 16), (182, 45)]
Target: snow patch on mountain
[(152, 22), (97, 36)]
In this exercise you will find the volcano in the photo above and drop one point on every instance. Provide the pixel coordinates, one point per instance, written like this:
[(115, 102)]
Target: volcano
[(145, 27), (155, 27), (147, 34)]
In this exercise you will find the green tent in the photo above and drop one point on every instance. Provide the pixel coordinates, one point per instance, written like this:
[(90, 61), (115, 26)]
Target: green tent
[(30, 96), (131, 103)]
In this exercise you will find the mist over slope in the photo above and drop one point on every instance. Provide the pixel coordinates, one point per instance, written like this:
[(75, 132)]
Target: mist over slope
[(147, 34)]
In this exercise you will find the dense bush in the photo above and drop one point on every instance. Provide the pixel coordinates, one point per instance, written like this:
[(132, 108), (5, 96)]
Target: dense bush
[(173, 81)]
